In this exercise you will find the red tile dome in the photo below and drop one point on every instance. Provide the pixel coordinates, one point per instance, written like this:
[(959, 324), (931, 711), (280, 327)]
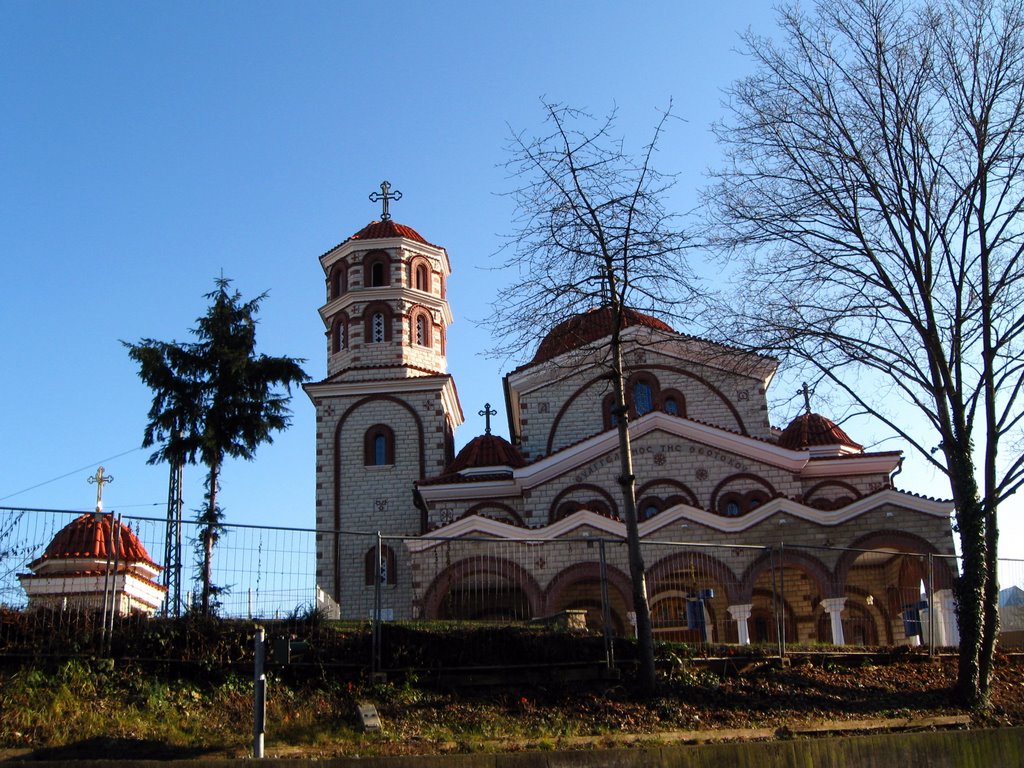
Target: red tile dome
[(88, 538), (381, 230), (587, 328), (486, 451), (812, 429)]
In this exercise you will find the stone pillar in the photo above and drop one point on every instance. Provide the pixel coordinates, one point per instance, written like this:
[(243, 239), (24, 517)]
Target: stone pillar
[(946, 631), (834, 608), (740, 614)]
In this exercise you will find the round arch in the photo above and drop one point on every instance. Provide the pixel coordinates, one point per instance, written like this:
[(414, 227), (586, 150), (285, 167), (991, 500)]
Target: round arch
[(558, 594), (473, 567), (587, 489), (740, 425)]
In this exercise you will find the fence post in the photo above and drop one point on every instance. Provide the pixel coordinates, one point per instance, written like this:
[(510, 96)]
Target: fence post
[(113, 586), (931, 608), (375, 638), (606, 619), (778, 601), (259, 713)]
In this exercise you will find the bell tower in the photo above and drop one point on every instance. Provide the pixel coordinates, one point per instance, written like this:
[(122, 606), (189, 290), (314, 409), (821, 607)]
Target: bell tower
[(387, 410)]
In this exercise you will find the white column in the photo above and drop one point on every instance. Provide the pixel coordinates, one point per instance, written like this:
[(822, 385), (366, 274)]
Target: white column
[(834, 608), (946, 630), (740, 614)]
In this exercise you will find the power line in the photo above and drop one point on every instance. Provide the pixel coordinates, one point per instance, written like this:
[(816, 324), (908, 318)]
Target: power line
[(68, 474)]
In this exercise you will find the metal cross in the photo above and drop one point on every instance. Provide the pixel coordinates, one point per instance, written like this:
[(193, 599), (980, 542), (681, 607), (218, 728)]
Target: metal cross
[(384, 196), (487, 413), (100, 479), (806, 391)]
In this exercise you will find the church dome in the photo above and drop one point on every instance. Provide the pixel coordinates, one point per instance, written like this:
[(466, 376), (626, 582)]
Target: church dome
[(89, 539), (809, 430), (588, 327), (381, 230), (486, 451)]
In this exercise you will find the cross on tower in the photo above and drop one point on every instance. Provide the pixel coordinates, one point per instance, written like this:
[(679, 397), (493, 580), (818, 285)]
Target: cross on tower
[(487, 413), (806, 391), (100, 479), (384, 196)]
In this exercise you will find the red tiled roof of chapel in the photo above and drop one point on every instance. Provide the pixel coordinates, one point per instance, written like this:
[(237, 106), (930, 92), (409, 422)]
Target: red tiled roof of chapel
[(486, 451), (482, 451), (810, 429), (89, 538), (588, 327), (381, 230)]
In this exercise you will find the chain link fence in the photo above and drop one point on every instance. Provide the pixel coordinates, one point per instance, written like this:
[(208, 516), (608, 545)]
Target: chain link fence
[(699, 594)]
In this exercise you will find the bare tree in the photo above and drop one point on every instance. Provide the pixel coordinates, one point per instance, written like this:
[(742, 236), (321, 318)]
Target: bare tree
[(873, 175), (592, 232)]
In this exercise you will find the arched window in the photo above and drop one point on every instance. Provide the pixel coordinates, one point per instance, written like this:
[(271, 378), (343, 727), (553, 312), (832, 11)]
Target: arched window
[(422, 278), (731, 505), (339, 279), (421, 331), (377, 322), (339, 335), (643, 398), (384, 568), (379, 446), (376, 269), (671, 406)]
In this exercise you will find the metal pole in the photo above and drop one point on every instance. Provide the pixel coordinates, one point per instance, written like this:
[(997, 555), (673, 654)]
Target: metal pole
[(375, 665), (931, 608), (172, 543), (775, 601), (113, 585), (259, 693), (606, 619), (106, 579)]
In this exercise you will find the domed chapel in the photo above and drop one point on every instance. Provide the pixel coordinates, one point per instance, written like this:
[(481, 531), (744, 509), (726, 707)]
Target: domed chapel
[(529, 527)]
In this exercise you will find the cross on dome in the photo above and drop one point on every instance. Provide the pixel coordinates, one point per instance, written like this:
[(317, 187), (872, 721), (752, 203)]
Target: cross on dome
[(806, 391), (487, 412), (384, 196), (100, 479)]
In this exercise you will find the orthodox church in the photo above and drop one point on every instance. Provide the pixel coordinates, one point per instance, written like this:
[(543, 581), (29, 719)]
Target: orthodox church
[(741, 523)]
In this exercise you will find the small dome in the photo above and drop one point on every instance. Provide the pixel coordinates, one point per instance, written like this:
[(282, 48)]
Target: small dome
[(809, 430), (486, 451), (588, 327), (88, 538), (381, 230)]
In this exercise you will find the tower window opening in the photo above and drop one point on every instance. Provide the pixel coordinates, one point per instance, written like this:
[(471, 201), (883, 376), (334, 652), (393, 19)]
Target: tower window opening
[(379, 446), (421, 331), (377, 275), (422, 278), (377, 327)]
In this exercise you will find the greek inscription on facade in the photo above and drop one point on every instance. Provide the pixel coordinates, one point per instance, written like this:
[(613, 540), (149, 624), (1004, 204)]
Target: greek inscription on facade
[(712, 453)]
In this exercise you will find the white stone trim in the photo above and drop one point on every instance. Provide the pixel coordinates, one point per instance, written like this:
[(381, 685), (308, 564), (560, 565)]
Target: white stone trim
[(476, 525)]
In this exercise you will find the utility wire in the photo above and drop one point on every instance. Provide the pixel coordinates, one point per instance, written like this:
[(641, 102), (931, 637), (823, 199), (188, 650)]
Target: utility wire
[(68, 474)]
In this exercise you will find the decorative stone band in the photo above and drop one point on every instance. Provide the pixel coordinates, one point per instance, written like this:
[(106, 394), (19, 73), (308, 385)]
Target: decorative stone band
[(475, 525)]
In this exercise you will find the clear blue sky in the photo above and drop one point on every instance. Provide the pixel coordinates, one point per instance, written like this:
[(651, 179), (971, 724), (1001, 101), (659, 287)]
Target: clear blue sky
[(147, 147)]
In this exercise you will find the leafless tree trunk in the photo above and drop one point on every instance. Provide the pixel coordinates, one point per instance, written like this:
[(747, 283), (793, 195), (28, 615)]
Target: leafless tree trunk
[(592, 232), (873, 175)]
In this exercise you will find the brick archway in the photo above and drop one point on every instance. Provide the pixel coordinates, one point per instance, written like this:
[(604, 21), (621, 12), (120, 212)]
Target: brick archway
[(469, 567)]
